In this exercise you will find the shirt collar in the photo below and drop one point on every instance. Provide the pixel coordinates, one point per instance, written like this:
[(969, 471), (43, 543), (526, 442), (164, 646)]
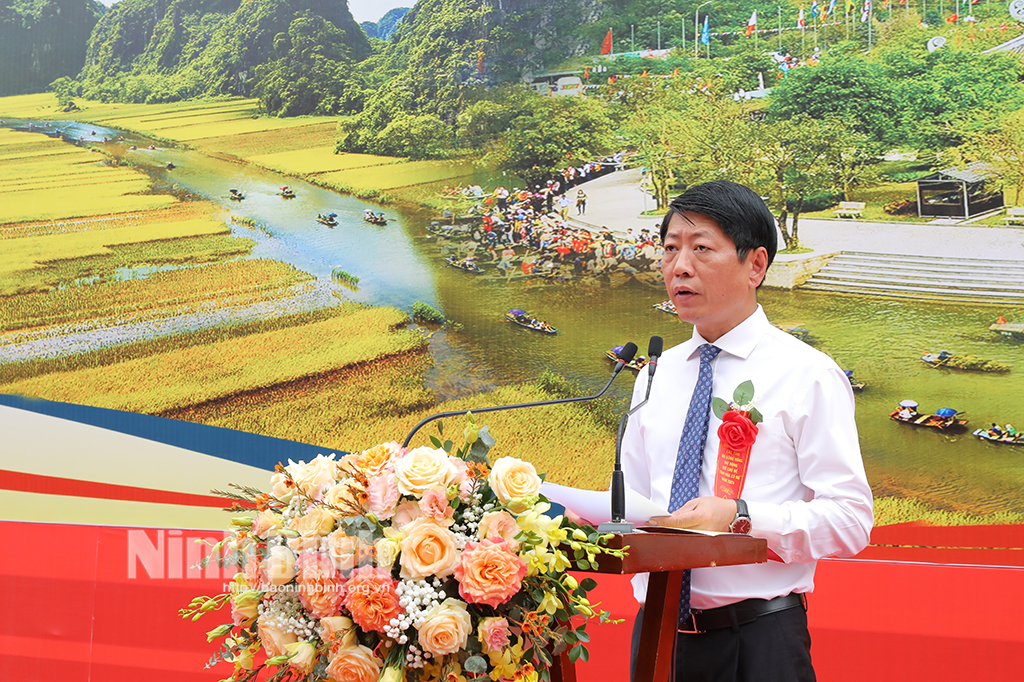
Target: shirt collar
[(740, 340)]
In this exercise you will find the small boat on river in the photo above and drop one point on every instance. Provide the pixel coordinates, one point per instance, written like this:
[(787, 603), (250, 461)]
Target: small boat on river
[(1014, 330), (951, 360), (374, 218), (995, 434), (235, 195), (857, 386), (523, 319), (636, 364), (287, 192), (464, 264), (944, 419), (330, 219), (665, 307)]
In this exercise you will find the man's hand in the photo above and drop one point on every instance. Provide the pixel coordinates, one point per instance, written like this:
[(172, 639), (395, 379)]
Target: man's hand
[(702, 513)]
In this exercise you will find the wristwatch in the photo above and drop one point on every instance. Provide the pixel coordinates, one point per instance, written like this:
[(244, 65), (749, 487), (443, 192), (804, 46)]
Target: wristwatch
[(741, 524)]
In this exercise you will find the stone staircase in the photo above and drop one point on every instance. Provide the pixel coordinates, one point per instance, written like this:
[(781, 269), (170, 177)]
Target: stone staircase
[(968, 280)]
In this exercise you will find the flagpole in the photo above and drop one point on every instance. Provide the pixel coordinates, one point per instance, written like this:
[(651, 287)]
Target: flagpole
[(779, 7)]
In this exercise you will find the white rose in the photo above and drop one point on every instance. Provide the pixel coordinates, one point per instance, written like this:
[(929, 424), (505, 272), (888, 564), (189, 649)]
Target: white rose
[(312, 476), (424, 468)]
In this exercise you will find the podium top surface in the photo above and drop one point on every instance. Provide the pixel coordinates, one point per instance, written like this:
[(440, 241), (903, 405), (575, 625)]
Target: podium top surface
[(652, 552)]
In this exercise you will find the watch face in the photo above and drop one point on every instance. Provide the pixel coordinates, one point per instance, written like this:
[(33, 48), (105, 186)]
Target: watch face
[(740, 525)]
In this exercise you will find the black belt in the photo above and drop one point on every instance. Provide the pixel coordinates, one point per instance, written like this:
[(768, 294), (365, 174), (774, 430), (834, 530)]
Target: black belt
[(740, 613)]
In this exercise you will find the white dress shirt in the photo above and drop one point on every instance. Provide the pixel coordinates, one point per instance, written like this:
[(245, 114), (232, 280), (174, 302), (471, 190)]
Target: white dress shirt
[(805, 488)]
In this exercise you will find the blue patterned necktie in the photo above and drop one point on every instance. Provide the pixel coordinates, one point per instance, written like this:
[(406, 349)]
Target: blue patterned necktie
[(686, 477)]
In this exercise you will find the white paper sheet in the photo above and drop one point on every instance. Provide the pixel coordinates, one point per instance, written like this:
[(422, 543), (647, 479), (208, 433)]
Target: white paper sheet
[(595, 505)]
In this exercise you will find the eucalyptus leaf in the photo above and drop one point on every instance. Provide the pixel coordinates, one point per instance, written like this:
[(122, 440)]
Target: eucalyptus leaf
[(475, 664), (435, 441), (744, 393), (755, 416), (719, 406)]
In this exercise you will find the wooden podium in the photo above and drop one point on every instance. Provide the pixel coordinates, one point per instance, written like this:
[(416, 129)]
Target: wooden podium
[(665, 554)]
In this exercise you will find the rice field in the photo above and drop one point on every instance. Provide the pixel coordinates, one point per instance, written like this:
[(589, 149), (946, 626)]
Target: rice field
[(45, 179), (185, 289), (200, 374), (319, 160), (393, 176), (248, 145)]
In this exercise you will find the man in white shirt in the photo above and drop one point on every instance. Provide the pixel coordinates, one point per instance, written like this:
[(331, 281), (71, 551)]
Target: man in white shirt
[(804, 491)]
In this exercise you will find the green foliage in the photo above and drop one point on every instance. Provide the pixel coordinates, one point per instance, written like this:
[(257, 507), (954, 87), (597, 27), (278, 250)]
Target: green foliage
[(43, 40), (423, 136), (424, 312)]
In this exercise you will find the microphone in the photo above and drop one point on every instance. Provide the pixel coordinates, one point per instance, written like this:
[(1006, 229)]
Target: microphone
[(618, 524), (624, 356)]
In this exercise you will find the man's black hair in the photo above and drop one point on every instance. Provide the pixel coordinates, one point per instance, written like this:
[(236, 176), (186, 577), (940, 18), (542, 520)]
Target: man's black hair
[(739, 211)]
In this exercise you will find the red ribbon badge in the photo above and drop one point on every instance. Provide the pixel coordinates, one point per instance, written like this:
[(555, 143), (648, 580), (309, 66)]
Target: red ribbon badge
[(736, 435)]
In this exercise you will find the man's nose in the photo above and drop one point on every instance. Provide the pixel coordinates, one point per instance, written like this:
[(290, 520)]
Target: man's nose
[(682, 265)]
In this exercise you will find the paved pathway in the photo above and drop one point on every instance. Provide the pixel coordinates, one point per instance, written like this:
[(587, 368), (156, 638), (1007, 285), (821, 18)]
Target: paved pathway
[(616, 202)]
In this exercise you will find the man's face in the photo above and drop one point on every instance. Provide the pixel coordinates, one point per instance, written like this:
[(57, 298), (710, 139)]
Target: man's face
[(709, 286)]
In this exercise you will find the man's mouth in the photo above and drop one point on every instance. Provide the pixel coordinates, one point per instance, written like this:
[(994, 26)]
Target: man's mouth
[(685, 293)]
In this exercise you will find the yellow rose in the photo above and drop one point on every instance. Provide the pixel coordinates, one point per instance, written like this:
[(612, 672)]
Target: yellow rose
[(245, 607), (428, 549), (446, 628), (387, 551), (393, 674), (303, 656), (353, 664), (280, 563), (424, 468), (511, 477), (311, 477)]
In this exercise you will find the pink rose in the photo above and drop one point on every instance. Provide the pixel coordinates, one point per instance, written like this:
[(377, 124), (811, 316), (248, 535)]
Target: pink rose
[(428, 549), (371, 598), (274, 641), (737, 431), (256, 574), (502, 525), (434, 505), (320, 586), (489, 572), (406, 513), (493, 634), (382, 493)]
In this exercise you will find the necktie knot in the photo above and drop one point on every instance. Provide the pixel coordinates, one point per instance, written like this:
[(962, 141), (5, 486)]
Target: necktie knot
[(708, 353)]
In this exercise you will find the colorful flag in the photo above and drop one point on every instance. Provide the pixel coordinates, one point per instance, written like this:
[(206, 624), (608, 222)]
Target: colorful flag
[(814, 9), (606, 46), (830, 11), (752, 23), (705, 37), (952, 18), (866, 14), (800, 18), (851, 6)]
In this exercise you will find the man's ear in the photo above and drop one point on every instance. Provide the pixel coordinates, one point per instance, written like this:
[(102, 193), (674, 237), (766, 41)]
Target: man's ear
[(757, 260)]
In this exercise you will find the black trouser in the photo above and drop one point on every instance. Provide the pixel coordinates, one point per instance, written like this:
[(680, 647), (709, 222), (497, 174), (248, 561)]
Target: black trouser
[(774, 648)]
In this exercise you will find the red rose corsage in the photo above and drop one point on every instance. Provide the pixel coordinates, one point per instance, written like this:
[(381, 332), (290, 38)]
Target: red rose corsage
[(736, 436)]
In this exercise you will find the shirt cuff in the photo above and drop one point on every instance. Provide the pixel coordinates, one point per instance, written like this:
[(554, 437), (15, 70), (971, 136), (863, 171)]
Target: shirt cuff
[(768, 521)]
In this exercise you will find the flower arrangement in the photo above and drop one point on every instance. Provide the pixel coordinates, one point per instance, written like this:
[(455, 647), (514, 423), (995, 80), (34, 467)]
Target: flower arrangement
[(393, 564)]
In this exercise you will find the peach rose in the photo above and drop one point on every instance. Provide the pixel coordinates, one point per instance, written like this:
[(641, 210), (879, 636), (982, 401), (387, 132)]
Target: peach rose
[(382, 495), (354, 664), (406, 513), (337, 630), (312, 477), (434, 505), (428, 549), (245, 607), (502, 525), (280, 565), (274, 641), (424, 468), (255, 574), (346, 498), (493, 634), (265, 523), (371, 598), (511, 477), (489, 572), (320, 587), (303, 656), (345, 551), (376, 460), (445, 628)]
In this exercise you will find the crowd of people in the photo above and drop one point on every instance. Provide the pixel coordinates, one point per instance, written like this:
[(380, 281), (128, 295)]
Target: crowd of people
[(527, 233)]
